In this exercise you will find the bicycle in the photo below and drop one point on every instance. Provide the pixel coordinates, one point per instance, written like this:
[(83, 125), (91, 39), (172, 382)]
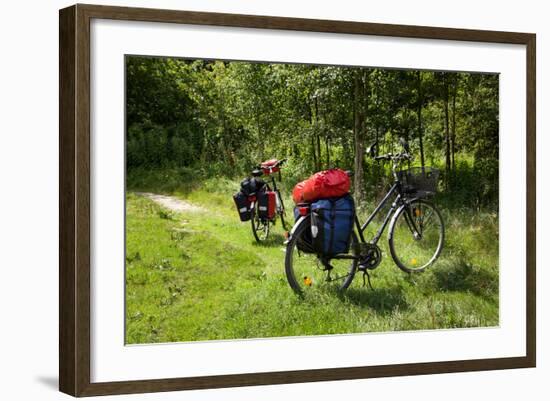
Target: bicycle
[(415, 238), (261, 225)]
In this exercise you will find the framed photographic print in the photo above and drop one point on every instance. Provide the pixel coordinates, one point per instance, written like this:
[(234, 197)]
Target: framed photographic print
[(250, 200)]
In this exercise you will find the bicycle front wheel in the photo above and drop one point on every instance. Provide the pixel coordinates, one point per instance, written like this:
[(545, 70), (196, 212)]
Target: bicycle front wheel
[(281, 210), (306, 272), (416, 235)]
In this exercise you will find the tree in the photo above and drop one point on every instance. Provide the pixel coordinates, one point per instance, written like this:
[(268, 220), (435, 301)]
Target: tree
[(224, 117), (360, 97)]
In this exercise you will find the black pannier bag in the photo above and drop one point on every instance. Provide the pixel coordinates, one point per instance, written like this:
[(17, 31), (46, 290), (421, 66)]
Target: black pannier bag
[(243, 205), (303, 243), (249, 186)]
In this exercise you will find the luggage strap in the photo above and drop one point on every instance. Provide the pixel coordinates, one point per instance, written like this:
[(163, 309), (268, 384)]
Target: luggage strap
[(332, 219)]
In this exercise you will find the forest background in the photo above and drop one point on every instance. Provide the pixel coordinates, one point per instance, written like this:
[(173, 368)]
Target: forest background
[(196, 128)]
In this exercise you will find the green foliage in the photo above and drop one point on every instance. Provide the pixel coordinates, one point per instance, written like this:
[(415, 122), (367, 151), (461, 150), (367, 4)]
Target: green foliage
[(223, 118), (170, 180)]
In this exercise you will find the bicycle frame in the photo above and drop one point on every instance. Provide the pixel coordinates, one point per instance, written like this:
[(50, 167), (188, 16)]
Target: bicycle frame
[(398, 201), (396, 188), (274, 183)]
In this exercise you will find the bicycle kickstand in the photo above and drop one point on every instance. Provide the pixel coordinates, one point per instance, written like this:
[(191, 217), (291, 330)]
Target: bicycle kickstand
[(366, 273)]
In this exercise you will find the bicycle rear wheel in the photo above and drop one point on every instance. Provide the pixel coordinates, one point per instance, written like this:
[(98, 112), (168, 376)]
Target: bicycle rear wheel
[(416, 236), (306, 272), (260, 227)]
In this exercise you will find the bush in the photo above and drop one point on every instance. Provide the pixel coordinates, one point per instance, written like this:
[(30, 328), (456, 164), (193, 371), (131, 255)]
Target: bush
[(181, 179), (154, 146), (473, 185)]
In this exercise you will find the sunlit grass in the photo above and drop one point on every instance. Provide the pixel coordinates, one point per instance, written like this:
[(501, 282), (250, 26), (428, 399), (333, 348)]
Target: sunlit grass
[(201, 276)]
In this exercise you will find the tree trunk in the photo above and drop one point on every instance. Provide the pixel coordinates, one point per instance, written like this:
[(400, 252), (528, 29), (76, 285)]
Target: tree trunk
[(453, 127), (225, 148), (314, 153), (260, 138), (419, 114), (312, 124), (327, 139), (377, 166), (447, 137), (359, 132), (318, 138), (346, 151)]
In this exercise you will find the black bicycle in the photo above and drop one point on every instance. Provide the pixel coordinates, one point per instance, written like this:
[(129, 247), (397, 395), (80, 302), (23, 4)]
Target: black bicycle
[(416, 233), (260, 222)]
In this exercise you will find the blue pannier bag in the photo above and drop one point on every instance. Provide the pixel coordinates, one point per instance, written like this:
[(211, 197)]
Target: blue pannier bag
[(332, 224)]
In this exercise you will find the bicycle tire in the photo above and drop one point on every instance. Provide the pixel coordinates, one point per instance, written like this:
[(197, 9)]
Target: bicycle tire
[(291, 275), (398, 255), (281, 211), (255, 223)]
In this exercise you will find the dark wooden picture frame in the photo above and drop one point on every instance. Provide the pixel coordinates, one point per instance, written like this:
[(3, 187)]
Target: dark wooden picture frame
[(74, 200)]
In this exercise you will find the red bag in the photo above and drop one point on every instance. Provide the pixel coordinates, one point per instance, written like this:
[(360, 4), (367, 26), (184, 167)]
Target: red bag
[(268, 168), (267, 204), (331, 183), (297, 192), (271, 204)]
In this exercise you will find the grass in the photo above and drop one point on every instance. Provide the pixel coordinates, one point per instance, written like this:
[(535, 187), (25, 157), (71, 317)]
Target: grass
[(201, 276)]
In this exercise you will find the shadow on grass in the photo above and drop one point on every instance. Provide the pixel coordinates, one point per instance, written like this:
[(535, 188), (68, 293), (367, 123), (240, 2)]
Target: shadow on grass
[(464, 277), (382, 300)]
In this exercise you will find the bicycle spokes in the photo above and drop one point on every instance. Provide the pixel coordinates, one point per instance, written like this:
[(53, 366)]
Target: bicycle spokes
[(307, 272), (260, 228), (416, 236)]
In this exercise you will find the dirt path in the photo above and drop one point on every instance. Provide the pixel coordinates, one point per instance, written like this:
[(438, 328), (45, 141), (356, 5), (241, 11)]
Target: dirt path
[(172, 203)]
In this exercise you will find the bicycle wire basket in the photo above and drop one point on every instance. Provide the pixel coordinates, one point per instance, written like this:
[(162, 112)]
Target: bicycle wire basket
[(419, 181)]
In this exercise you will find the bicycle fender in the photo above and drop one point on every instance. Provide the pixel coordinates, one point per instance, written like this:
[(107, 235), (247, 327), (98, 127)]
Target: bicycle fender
[(295, 227), (398, 211)]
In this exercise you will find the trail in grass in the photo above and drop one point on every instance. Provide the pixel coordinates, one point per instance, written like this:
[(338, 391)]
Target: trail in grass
[(172, 203)]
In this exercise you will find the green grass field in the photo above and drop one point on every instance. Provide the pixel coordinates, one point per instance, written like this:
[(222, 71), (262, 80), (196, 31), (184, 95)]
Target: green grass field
[(201, 276)]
